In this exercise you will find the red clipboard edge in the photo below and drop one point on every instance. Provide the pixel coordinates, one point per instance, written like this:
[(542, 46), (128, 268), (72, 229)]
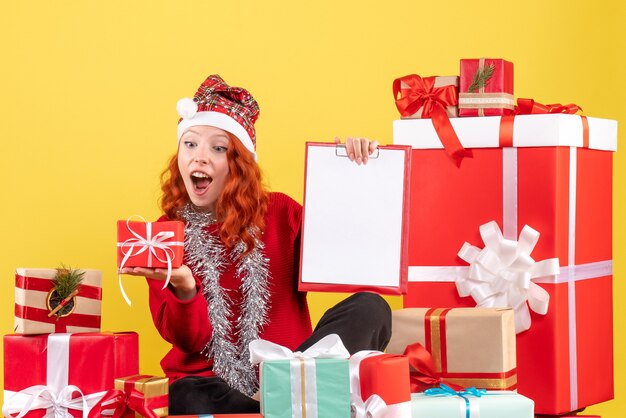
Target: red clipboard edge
[(402, 287)]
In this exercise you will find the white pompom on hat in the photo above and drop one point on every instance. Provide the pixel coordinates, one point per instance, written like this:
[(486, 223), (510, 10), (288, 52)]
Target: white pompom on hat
[(232, 109)]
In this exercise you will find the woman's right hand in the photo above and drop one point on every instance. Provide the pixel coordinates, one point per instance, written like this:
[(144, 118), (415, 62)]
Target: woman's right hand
[(182, 281)]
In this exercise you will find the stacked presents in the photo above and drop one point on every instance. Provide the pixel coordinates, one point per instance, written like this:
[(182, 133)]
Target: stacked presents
[(510, 208), (60, 364), (508, 309)]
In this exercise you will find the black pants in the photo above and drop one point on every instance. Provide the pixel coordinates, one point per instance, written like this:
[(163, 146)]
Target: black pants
[(363, 321)]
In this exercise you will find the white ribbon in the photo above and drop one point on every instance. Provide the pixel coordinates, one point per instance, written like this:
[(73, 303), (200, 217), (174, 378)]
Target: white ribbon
[(57, 396), (328, 347), (151, 244), (374, 407), (503, 273), (567, 274), (56, 404)]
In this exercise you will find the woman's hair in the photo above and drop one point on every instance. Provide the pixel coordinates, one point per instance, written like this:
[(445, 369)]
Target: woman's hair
[(242, 204)]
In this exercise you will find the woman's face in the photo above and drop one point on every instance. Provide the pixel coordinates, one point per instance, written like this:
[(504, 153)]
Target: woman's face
[(203, 164)]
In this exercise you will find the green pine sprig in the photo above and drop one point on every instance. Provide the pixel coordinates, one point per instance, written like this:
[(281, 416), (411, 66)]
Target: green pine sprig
[(66, 280), (481, 78)]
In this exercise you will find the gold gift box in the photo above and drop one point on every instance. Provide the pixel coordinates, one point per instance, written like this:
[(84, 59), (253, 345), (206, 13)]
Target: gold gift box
[(440, 81), (153, 389)]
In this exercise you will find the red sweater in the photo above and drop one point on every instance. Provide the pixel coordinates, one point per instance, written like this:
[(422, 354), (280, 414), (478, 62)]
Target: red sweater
[(185, 324)]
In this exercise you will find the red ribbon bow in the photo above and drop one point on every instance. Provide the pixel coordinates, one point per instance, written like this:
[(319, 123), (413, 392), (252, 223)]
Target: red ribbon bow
[(118, 401), (423, 374), (421, 93), (531, 107)]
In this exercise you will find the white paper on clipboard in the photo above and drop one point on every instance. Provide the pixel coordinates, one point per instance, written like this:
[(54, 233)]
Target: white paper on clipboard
[(355, 220)]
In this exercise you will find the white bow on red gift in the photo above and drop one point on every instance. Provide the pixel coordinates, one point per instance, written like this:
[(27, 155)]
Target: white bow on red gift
[(502, 273), (150, 243), (56, 397), (57, 405)]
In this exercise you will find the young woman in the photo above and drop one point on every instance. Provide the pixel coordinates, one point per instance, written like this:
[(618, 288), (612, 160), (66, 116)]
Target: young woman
[(239, 280)]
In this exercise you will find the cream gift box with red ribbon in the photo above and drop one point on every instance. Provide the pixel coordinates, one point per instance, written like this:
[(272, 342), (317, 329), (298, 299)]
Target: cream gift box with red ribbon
[(33, 289), (314, 383), (556, 178), (469, 347), (55, 375)]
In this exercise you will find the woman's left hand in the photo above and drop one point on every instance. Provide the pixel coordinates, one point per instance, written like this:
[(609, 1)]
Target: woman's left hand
[(359, 149)]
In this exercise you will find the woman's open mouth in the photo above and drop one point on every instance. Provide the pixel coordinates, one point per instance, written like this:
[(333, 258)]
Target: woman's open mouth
[(201, 181)]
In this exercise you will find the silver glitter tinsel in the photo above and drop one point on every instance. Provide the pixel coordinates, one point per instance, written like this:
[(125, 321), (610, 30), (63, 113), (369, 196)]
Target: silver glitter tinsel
[(206, 257)]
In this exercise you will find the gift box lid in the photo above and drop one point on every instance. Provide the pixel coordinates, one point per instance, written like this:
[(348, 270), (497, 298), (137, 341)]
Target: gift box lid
[(492, 404), (91, 277), (539, 130)]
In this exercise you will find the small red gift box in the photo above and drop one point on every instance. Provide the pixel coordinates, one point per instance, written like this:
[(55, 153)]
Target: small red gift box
[(486, 87), (150, 244), (52, 368), (33, 291), (377, 375), (557, 178)]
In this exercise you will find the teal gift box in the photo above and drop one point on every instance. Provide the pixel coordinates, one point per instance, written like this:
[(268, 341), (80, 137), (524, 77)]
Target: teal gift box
[(326, 388), (491, 404), (314, 383)]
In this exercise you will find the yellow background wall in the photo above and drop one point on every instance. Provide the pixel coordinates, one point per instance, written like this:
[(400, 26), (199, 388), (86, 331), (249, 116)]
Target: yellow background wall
[(88, 92)]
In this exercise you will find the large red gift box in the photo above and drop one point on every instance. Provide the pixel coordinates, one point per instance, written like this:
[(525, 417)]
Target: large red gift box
[(32, 291), (492, 97), (557, 178), (150, 244), (51, 368)]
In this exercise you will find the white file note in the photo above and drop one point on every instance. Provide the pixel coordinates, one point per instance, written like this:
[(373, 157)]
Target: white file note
[(354, 218)]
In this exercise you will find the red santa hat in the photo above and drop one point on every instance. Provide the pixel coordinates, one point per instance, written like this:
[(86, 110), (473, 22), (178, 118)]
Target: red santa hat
[(232, 109)]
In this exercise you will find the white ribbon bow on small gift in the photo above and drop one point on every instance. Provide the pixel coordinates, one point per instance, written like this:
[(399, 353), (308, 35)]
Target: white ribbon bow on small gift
[(303, 393), (373, 407), (328, 347), (149, 243), (502, 274)]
